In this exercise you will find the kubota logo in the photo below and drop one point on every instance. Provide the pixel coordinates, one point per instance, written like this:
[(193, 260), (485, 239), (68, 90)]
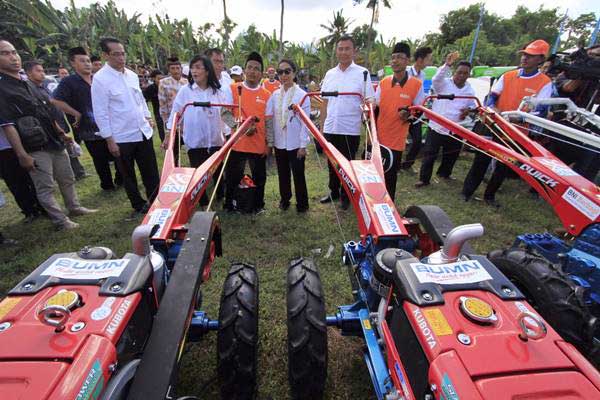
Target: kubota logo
[(425, 330)]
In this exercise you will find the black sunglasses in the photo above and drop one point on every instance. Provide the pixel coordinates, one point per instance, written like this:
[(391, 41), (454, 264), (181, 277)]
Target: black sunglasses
[(286, 71)]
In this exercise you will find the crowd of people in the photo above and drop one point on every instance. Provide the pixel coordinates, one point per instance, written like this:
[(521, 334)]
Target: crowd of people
[(105, 105)]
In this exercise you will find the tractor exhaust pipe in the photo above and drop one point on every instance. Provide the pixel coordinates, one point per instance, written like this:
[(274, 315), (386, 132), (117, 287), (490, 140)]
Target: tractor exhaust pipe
[(456, 238), (140, 239)]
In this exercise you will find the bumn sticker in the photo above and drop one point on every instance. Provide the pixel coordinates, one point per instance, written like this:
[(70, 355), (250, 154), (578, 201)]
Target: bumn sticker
[(387, 219), (159, 217), (470, 271), (70, 268)]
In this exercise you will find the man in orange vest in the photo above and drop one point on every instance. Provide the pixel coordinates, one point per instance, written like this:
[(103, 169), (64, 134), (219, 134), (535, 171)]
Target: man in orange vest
[(270, 83), (253, 146), (394, 94), (506, 95)]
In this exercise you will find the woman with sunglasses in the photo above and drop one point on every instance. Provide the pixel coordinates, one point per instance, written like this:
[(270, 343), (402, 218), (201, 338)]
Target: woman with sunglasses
[(201, 125), (289, 136)]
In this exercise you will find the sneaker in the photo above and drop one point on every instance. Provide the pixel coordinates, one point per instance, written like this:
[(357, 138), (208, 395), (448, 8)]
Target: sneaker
[(447, 178), (81, 177), (67, 225), (29, 218), (76, 212), (8, 242)]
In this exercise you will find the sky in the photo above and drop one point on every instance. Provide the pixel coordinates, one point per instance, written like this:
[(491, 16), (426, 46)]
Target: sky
[(302, 19)]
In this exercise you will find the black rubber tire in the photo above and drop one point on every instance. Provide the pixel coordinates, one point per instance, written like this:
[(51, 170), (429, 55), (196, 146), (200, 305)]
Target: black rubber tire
[(237, 338), (307, 331), (556, 297)]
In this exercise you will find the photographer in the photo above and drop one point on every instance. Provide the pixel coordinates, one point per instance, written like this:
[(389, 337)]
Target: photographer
[(37, 140), (579, 81)]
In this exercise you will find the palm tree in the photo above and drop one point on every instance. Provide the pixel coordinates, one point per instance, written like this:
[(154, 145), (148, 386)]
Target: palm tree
[(374, 6), (336, 28), (281, 30)]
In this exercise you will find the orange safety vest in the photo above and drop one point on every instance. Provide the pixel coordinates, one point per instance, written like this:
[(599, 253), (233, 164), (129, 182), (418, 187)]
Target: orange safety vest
[(254, 103), (271, 86), (392, 131), (516, 87)]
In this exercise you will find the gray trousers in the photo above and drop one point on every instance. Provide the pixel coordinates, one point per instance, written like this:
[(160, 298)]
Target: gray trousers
[(51, 166)]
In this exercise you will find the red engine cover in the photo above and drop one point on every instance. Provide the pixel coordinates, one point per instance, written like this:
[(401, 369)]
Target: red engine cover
[(496, 363), (38, 363)]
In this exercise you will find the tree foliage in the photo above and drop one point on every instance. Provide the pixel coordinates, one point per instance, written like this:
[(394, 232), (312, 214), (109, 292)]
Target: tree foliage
[(41, 31)]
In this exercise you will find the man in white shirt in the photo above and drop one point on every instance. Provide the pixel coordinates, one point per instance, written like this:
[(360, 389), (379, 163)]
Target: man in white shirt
[(423, 59), (341, 116), (455, 110), (124, 120), (217, 58)]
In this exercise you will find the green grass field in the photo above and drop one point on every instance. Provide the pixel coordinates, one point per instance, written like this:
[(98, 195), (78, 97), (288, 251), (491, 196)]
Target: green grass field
[(270, 241)]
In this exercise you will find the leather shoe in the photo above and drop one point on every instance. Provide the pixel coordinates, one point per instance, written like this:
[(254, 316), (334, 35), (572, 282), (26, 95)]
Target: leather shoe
[(420, 184), (345, 204), (327, 199), (492, 203)]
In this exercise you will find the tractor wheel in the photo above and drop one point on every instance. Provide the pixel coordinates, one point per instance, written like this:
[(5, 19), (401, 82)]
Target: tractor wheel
[(237, 338), (556, 297), (307, 331)]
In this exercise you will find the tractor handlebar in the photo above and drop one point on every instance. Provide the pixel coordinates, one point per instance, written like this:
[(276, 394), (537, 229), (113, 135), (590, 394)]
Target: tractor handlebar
[(451, 97)]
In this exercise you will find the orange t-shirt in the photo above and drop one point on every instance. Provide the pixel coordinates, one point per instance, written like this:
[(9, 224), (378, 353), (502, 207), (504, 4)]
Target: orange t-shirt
[(254, 103), (271, 86), (515, 88), (392, 131)]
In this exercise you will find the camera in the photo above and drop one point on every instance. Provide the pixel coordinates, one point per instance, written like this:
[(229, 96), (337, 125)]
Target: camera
[(577, 66)]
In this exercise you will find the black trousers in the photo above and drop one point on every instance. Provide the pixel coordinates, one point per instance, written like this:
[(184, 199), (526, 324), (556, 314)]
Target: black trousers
[(288, 165), (348, 146), (197, 157), (450, 151), (391, 176), (234, 171), (101, 157), (160, 125), (19, 183), (142, 154), (415, 133)]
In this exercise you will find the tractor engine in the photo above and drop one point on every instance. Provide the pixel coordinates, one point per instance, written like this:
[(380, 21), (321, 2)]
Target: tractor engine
[(461, 328), (77, 323)]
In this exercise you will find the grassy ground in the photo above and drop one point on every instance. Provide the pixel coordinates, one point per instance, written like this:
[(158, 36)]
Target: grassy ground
[(270, 241)]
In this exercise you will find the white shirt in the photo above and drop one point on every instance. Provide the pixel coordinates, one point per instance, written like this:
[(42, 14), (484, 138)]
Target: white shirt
[(295, 134), (412, 71), (226, 82), (344, 112), (544, 93), (442, 83), (120, 109), (201, 125)]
